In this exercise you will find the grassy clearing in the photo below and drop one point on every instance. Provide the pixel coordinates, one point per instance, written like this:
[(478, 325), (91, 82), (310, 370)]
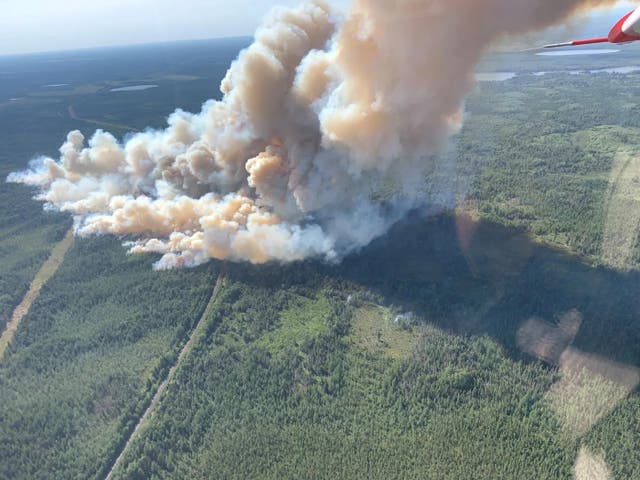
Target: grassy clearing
[(299, 324), (375, 330)]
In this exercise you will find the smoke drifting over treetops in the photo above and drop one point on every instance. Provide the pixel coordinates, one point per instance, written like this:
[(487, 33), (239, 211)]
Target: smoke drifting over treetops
[(317, 114)]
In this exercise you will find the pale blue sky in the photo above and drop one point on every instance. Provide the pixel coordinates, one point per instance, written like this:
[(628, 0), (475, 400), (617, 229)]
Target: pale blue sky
[(44, 25)]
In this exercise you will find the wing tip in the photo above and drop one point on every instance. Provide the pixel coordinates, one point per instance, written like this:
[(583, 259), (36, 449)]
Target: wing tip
[(559, 45)]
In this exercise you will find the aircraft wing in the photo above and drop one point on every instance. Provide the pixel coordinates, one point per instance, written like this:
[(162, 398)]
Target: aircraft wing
[(577, 43)]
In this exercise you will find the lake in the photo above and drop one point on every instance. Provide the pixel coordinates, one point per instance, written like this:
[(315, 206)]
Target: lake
[(133, 88)]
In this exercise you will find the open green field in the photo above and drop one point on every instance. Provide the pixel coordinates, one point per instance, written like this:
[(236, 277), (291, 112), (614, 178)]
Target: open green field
[(498, 339)]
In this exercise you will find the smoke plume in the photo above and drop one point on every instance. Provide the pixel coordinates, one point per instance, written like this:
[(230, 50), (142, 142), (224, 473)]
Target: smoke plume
[(318, 115)]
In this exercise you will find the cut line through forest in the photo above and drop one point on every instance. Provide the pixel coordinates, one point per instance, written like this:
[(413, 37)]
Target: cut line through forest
[(47, 271), (183, 353)]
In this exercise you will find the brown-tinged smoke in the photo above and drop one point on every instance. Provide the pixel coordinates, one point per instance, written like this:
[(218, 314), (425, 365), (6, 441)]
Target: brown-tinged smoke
[(318, 114)]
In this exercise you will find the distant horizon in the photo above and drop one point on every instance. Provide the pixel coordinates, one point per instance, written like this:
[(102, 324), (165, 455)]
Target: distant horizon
[(605, 17), (125, 45), (31, 27)]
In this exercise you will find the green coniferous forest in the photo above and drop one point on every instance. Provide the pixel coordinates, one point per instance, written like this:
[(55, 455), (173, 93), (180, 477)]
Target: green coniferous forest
[(497, 339)]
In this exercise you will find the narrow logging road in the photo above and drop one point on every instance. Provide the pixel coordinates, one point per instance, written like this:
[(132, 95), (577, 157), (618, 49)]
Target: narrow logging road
[(44, 274), (183, 353), (74, 116)]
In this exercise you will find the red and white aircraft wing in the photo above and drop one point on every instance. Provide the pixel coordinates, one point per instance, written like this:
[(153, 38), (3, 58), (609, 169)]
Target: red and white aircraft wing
[(625, 31)]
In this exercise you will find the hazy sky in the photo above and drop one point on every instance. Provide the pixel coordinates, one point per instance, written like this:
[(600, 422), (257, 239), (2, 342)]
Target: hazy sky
[(39, 25), (43, 25)]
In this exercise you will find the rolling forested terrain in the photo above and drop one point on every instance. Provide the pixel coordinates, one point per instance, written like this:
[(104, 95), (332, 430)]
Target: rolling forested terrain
[(96, 343), (85, 360), (405, 362), (27, 234), (551, 154), (498, 339)]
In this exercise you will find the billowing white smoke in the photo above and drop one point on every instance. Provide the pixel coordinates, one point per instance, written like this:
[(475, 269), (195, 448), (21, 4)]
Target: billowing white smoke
[(317, 115)]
